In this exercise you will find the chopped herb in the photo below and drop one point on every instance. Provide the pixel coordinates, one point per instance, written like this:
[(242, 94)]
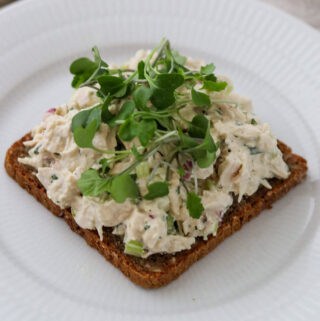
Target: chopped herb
[(170, 224), (253, 122), (54, 177), (36, 150), (254, 150), (134, 248), (146, 227), (218, 111), (194, 205)]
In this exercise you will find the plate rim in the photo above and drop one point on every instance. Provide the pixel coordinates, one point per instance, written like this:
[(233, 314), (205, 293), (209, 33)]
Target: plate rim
[(21, 4)]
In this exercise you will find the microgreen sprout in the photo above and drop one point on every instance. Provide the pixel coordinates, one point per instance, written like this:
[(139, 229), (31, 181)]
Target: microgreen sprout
[(150, 101)]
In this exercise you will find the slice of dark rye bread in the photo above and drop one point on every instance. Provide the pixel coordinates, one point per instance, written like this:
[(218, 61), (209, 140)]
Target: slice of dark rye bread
[(158, 269)]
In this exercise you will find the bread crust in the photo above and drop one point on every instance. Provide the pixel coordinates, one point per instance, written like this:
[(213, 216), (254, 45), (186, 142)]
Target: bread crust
[(158, 269)]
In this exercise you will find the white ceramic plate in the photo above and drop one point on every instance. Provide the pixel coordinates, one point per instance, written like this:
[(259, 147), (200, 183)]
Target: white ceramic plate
[(270, 269)]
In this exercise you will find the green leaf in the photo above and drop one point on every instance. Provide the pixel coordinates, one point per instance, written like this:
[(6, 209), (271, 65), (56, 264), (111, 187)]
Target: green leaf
[(162, 98), (198, 126), (165, 123), (84, 136), (211, 77), (208, 142), (82, 69), (141, 96), (169, 81), (125, 112), (80, 119), (82, 65), (134, 248), (141, 65), (129, 130), (144, 130), (121, 91), (95, 114), (204, 158), (204, 153), (111, 85), (91, 184), (84, 125), (194, 205), (187, 142), (106, 116), (179, 59), (214, 86), (97, 58), (199, 98), (79, 79), (123, 187), (207, 69), (157, 189), (147, 128)]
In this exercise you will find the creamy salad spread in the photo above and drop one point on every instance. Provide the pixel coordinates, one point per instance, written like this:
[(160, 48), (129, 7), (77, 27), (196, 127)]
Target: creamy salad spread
[(246, 157)]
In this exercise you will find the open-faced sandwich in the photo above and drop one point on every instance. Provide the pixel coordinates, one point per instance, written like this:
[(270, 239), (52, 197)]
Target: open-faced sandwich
[(154, 163)]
